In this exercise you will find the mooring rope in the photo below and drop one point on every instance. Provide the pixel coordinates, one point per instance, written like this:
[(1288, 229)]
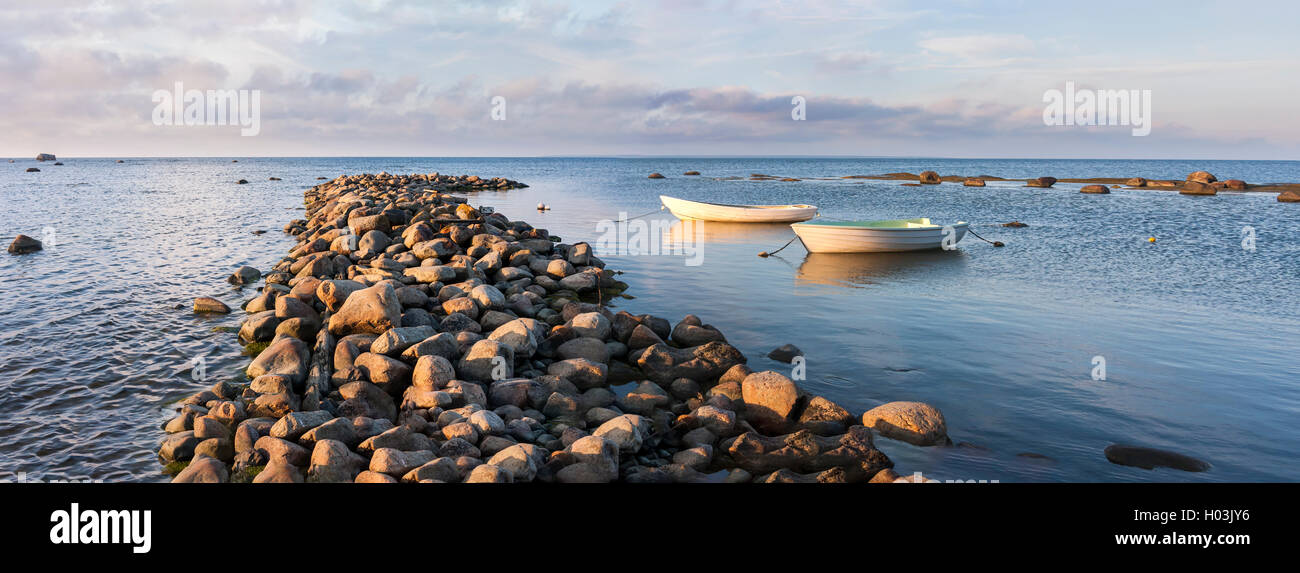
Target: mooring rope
[(766, 254), (661, 208), (977, 236)]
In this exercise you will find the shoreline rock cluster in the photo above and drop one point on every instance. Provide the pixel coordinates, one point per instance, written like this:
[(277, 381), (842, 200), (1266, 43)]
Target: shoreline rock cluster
[(411, 337)]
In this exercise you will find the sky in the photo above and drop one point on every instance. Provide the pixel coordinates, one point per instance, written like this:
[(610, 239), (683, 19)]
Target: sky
[(667, 77)]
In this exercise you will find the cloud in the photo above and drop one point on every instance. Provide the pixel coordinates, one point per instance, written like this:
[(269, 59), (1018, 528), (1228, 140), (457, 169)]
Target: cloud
[(417, 77), (979, 47)]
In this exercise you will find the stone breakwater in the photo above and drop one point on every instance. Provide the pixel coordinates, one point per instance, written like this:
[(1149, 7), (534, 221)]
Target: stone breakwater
[(411, 337)]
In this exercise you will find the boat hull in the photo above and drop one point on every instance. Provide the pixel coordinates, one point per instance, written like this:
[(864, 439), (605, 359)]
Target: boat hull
[(838, 239), (684, 209)]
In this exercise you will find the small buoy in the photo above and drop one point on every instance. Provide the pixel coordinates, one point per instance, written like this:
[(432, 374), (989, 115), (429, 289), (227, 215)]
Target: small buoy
[(543, 207), (1151, 240)]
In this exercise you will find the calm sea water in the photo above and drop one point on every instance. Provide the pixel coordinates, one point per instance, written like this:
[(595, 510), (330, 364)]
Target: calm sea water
[(1199, 335)]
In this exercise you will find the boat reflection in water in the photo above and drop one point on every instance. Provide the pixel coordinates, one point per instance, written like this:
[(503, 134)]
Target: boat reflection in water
[(865, 269), (761, 235)]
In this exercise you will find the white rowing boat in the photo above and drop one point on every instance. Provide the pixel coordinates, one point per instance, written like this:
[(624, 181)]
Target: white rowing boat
[(684, 209), (890, 236)]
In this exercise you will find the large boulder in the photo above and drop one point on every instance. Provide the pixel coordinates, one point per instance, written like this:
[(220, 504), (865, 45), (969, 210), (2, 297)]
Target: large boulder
[(287, 357), (397, 340), (663, 364), (432, 372), (583, 373), (916, 423), (591, 325), (1197, 188), (334, 293), (1202, 177), (373, 310), (517, 335), (930, 178), (627, 432), (691, 331), (485, 361), (203, 469), (389, 374), (1291, 196), (516, 460), (770, 400)]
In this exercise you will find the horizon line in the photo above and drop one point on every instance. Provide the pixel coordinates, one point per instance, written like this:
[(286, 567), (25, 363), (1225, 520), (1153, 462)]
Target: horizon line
[(641, 156)]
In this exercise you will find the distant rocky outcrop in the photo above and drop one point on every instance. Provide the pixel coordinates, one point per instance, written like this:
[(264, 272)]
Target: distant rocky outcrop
[(45, 157)]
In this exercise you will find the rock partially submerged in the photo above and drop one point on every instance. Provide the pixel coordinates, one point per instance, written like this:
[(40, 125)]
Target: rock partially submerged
[(916, 423), (206, 304), (1095, 189), (785, 353), (1151, 458), (244, 275), (1041, 182), (23, 244)]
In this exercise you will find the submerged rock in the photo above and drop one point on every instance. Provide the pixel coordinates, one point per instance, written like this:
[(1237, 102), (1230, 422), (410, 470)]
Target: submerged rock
[(930, 178), (785, 353), (1151, 458), (1097, 189)]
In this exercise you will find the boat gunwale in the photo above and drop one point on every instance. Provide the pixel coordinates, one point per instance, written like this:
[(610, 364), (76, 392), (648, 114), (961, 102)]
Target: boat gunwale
[(849, 226), (788, 206)]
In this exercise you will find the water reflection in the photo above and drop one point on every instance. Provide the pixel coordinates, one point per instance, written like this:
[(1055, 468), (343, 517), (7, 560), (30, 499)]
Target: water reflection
[(764, 236), (862, 269)]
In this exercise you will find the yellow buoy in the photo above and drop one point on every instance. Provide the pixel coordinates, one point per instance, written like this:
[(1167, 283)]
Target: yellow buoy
[(1151, 240)]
